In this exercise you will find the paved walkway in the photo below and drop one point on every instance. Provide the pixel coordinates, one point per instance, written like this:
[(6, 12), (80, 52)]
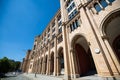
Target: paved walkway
[(19, 77), (45, 77), (42, 77)]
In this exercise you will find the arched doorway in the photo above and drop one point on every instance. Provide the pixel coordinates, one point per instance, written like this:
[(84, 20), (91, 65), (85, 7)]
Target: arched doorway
[(82, 56), (52, 64), (61, 61), (111, 29)]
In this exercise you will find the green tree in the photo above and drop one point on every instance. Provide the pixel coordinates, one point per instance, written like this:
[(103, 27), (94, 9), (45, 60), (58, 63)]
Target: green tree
[(4, 65), (17, 65), (8, 65), (12, 65)]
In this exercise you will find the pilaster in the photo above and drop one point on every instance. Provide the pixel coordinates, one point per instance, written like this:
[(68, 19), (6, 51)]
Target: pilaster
[(55, 61), (67, 74)]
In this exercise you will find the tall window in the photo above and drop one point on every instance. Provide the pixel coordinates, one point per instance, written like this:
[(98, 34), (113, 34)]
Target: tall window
[(72, 15), (71, 7), (103, 3), (69, 2), (77, 23), (60, 30), (60, 39), (53, 36), (74, 25), (97, 7)]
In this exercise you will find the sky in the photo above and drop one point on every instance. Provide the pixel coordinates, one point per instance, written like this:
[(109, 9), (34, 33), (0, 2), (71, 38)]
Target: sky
[(20, 22)]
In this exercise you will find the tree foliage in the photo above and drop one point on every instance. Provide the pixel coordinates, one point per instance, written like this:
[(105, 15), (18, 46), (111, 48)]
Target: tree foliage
[(8, 65)]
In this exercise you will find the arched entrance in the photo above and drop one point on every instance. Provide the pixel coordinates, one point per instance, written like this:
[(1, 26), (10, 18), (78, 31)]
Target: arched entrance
[(61, 61), (52, 64), (111, 29), (82, 57)]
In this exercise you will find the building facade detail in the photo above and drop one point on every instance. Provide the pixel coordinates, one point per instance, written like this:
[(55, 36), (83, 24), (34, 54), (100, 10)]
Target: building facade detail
[(82, 39)]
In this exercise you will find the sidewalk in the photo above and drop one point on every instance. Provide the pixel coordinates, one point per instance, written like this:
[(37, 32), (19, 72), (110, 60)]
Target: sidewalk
[(41, 77), (46, 77)]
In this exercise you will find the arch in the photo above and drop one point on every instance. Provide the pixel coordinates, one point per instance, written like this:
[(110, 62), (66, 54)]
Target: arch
[(104, 21), (59, 49), (82, 52), (75, 37), (110, 28)]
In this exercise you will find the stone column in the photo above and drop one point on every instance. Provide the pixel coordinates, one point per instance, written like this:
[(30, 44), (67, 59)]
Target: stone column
[(49, 66), (56, 25), (48, 59), (47, 71), (67, 74), (55, 62), (44, 65), (42, 71), (40, 67), (74, 64), (57, 59), (69, 52)]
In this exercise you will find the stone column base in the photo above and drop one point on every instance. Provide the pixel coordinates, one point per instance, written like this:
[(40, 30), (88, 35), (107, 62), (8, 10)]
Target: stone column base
[(75, 76), (67, 77), (58, 74)]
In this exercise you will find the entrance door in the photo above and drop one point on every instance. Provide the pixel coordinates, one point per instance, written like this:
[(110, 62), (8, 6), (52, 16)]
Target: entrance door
[(84, 60)]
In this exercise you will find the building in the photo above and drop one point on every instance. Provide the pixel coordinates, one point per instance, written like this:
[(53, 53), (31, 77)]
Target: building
[(26, 61), (82, 38)]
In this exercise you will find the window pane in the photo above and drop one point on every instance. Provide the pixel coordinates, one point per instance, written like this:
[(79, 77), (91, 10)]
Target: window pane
[(103, 3), (73, 24), (77, 23), (97, 7), (71, 27)]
